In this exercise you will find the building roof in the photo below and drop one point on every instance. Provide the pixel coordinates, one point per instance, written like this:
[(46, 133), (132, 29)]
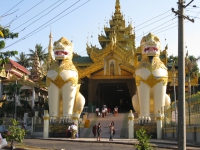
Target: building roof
[(82, 59), (19, 67)]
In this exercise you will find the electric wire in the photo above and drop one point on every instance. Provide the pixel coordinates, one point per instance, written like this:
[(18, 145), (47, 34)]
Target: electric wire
[(35, 31), (9, 13), (153, 22), (28, 35), (161, 31), (158, 27), (38, 15), (153, 18), (60, 17), (41, 17), (28, 10), (12, 8)]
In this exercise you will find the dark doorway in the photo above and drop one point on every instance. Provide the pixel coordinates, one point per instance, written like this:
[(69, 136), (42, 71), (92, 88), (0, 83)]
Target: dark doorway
[(114, 94)]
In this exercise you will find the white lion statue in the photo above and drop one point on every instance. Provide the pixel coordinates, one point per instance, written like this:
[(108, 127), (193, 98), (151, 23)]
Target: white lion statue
[(65, 100), (151, 80)]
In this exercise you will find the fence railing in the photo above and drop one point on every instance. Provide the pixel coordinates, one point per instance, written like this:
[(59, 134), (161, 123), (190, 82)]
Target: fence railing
[(192, 112)]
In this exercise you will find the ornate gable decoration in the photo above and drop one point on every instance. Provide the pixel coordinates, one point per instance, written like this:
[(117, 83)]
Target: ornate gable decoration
[(117, 44)]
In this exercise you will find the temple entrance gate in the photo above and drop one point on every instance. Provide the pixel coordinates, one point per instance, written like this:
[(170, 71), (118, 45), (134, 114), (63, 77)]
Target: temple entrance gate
[(111, 92)]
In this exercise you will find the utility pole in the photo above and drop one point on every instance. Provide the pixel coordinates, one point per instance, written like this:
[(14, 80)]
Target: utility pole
[(15, 116), (181, 74)]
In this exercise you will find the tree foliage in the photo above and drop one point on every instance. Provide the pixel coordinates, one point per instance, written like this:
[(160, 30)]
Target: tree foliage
[(15, 132), (41, 53), (5, 34), (23, 60), (11, 90), (143, 140)]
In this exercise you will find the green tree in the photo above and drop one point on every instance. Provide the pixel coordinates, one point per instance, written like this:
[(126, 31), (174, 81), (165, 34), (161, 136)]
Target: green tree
[(143, 140), (11, 90), (42, 55), (6, 34), (15, 133), (25, 94), (23, 60), (192, 70)]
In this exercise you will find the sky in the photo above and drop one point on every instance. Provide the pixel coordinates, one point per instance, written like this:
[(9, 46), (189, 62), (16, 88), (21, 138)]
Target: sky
[(81, 21)]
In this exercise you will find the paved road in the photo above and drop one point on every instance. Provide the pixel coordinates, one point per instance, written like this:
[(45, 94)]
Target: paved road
[(87, 142), (92, 144)]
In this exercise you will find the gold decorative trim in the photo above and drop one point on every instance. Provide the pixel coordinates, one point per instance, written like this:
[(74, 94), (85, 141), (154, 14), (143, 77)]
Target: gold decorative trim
[(155, 64), (59, 82), (112, 77), (151, 80), (159, 118), (65, 65), (87, 71), (46, 118), (130, 118), (74, 118)]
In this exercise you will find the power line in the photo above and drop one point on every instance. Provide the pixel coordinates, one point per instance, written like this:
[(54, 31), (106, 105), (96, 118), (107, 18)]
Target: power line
[(35, 31), (159, 26), (154, 22), (12, 8), (28, 10), (60, 17), (41, 16), (162, 30), (153, 18), (37, 15)]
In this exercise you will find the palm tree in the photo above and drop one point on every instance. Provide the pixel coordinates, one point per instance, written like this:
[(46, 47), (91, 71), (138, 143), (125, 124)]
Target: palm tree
[(42, 55), (25, 94), (191, 67), (23, 60), (12, 90)]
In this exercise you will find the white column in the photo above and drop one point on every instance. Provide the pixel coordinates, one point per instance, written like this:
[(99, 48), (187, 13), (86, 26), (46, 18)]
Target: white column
[(33, 98), (46, 124), (35, 118), (130, 125), (25, 117), (159, 125)]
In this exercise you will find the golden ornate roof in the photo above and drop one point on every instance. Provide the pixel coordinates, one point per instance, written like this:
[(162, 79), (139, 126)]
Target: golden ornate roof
[(118, 41)]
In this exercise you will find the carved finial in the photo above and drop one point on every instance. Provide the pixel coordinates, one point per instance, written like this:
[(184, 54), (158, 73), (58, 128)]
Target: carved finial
[(159, 111), (117, 6), (131, 111)]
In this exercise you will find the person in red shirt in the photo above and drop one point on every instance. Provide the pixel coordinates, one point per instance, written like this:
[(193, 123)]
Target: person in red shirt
[(94, 130)]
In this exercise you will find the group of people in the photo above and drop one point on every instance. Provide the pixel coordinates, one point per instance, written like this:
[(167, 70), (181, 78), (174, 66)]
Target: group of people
[(97, 129), (106, 110), (72, 131)]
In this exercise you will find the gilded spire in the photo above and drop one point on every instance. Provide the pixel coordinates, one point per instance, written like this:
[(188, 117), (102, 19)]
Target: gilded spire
[(50, 49), (117, 7)]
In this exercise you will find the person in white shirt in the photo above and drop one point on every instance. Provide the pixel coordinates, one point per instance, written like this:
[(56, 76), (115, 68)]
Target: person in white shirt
[(74, 130)]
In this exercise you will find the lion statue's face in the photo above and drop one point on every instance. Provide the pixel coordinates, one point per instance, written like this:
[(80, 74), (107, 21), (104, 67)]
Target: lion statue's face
[(150, 45), (63, 49)]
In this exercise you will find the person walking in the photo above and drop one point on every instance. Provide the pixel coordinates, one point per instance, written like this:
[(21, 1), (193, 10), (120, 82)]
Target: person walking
[(74, 130), (103, 112), (115, 112), (94, 130), (112, 131), (111, 123), (99, 132)]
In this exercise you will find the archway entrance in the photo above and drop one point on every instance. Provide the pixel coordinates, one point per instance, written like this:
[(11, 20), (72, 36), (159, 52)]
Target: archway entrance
[(114, 94)]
